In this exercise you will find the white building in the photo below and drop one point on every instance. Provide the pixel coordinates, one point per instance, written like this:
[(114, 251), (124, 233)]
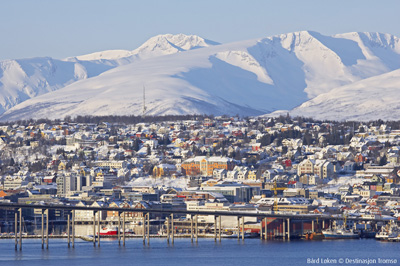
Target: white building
[(87, 215), (13, 182), (226, 221), (306, 167), (220, 174), (65, 184), (322, 168), (111, 164)]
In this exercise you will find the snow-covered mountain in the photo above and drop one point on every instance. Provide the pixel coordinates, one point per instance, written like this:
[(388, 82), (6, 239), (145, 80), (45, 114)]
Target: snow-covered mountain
[(248, 77), (23, 79), (369, 99), (156, 46)]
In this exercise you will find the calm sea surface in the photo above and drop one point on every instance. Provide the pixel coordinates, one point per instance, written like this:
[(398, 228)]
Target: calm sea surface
[(230, 252)]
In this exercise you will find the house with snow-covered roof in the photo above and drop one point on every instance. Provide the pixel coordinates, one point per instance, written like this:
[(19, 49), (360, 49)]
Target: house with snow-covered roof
[(220, 173), (164, 170), (323, 168), (306, 167)]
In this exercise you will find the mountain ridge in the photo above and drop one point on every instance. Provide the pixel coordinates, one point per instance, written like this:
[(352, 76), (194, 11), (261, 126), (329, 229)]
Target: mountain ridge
[(248, 77), (22, 79), (376, 96), (160, 44)]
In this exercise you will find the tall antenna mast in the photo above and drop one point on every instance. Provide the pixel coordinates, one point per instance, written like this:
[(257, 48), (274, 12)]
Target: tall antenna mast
[(144, 102)]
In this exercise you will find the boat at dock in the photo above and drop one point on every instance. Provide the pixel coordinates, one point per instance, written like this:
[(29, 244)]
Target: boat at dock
[(314, 236), (246, 235), (340, 233), (389, 232), (108, 231)]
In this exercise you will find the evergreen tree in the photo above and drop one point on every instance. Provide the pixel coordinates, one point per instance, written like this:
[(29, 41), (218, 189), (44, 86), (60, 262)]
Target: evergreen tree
[(265, 140), (383, 160), (148, 150), (307, 138), (136, 145)]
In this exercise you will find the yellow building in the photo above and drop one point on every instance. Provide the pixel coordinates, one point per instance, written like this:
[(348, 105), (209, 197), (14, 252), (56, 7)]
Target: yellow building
[(164, 170), (253, 175)]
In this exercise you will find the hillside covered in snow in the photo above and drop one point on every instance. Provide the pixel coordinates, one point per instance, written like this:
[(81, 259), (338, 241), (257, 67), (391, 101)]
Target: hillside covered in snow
[(23, 79), (368, 99), (317, 74)]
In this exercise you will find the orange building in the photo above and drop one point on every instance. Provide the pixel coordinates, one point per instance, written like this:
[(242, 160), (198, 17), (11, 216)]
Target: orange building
[(202, 165)]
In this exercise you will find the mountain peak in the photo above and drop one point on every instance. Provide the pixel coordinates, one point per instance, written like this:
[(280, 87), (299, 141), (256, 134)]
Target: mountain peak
[(303, 34), (182, 40), (155, 46), (171, 43)]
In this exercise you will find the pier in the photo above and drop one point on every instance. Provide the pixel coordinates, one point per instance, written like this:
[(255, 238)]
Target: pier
[(287, 225)]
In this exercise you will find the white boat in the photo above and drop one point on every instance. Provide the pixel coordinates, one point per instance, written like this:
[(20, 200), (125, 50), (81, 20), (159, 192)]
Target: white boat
[(339, 233), (388, 232)]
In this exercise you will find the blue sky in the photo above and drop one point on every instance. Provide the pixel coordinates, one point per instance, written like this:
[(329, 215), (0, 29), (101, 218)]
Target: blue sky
[(58, 28)]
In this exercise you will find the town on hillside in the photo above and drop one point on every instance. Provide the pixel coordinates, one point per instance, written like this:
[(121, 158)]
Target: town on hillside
[(274, 164)]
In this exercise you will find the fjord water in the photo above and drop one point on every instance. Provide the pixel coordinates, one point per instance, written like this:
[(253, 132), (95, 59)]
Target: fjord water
[(206, 252)]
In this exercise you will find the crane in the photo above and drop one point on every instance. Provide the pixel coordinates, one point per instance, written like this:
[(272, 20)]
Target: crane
[(275, 189)]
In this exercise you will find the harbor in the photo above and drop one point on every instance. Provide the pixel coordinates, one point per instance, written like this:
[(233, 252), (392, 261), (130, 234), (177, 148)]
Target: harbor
[(273, 225), (205, 252)]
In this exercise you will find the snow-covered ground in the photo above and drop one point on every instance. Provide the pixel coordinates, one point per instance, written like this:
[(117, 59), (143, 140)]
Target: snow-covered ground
[(334, 185), (53, 149), (165, 182)]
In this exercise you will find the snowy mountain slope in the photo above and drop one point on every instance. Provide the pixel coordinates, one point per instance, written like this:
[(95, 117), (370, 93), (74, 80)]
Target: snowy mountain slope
[(119, 91), (23, 79), (248, 77), (27, 78), (156, 46), (328, 62), (369, 99), (378, 48)]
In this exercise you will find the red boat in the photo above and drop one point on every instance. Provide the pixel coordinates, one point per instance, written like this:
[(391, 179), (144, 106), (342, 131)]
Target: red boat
[(107, 231)]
